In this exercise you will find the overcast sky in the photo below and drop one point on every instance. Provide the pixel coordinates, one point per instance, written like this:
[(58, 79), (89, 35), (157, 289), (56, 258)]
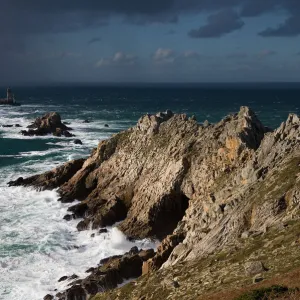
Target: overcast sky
[(149, 41)]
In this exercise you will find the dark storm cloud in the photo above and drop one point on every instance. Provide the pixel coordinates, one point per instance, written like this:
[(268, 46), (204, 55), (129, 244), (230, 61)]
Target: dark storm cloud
[(224, 22), (35, 16), (290, 27)]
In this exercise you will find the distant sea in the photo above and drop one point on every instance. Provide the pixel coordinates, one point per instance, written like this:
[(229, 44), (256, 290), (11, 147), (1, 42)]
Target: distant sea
[(37, 246)]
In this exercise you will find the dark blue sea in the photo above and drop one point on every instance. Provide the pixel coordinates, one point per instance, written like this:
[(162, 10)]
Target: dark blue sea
[(37, 246)]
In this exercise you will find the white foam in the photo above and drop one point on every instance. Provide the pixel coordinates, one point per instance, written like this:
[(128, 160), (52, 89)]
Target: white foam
[(38, 246)]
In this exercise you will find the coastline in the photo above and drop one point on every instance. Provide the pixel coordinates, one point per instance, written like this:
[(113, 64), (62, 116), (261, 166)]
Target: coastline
[(240, 138)]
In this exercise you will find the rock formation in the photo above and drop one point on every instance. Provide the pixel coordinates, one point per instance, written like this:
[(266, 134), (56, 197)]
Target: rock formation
[(50, 123), (110, 272), (201, 189)]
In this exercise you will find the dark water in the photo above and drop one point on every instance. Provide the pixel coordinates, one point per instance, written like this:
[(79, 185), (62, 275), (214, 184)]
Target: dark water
[(33, 236)]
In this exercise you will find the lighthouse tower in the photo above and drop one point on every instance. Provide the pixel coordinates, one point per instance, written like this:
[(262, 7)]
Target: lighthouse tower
[(10, 96)]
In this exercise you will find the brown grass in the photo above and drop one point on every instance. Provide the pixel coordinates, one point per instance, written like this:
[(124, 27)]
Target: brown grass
[(291, 280)]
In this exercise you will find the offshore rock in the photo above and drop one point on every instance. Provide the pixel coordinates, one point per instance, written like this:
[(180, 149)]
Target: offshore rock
[(50, 123)]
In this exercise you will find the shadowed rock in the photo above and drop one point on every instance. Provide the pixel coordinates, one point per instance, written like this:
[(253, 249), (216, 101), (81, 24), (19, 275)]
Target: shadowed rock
[(50, 123)]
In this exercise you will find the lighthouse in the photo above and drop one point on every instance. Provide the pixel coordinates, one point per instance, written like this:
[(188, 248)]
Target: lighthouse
[(9, 96), (10, 99)]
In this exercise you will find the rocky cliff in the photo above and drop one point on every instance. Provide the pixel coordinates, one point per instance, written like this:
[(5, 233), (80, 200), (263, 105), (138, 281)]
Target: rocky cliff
[(203, 189)]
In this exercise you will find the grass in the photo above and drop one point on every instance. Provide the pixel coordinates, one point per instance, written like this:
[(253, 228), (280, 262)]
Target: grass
[(264, 293)]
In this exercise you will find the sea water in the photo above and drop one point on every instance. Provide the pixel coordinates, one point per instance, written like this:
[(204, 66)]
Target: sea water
[(37, 246)]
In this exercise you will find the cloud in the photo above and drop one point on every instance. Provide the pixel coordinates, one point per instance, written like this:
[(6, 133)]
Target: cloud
[(191, 54), (35, 16), (118, 59), (290, 27), (163, 56), (219, 24), (266, 53), (94, 40)]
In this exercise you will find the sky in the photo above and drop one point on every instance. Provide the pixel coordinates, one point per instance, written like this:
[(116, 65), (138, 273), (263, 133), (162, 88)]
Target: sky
[(100, 41)]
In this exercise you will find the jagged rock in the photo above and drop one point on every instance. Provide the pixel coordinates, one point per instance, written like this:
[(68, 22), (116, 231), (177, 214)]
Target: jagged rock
[(169, 175), (50, 123), (163, 252), (106, 125), (68, 217), (7, 126), (48, 297), (254, 267), (51, 179), (77, 142), (206, 123), (18, 125), (112, 271), (76, 292), (103, 230), (101, 213), (64, 278), (67, 133)]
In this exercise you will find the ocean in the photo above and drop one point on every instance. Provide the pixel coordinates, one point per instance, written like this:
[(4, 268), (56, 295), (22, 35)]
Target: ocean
[(37, 246)]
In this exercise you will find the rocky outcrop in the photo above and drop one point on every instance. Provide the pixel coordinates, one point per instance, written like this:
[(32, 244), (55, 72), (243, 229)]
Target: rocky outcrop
[(50, 123), (110, 272), (199, 188), (52, 179)]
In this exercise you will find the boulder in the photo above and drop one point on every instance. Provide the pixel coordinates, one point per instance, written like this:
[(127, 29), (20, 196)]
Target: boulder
[(77, 142), (254, 267), (50, 123), (64, 278)]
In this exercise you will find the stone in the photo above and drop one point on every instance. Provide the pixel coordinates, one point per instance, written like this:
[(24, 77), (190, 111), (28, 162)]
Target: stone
[(66, 133), (52, 179), (103, 230), (257, 279), (77, 142), (48, 297), (68, 217), (18, 125), (86, 121), (245, 235), (111, 272), (64, 278), (74, 276), (254, 267), (76, 292), (106, 125), (206, 123)]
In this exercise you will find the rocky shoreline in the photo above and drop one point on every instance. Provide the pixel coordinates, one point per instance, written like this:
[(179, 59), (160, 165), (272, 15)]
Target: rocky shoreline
[(199, 188)]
